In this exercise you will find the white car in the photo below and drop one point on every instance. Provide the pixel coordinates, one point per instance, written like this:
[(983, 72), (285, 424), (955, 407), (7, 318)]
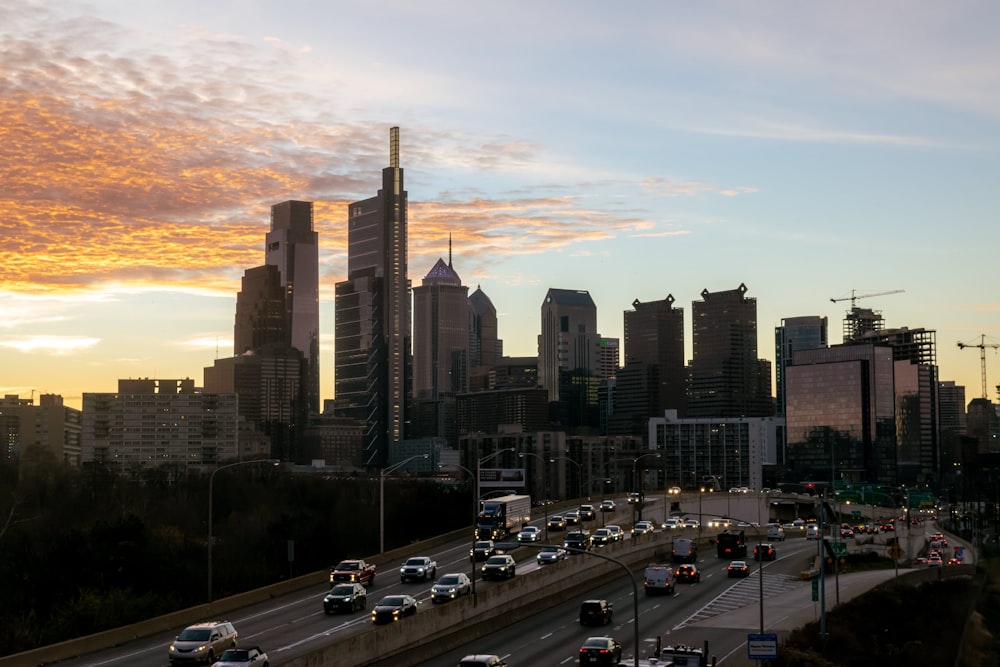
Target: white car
[(642, 527), (691, 523), (671, 524), (550, 555), (529, 534)]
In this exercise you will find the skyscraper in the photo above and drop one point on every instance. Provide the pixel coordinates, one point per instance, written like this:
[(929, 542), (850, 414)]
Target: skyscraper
[(261, 315), (440, 333), (727, 378), (293, 247), (654, 336), (372, 356), (569, 340), (795, 333)]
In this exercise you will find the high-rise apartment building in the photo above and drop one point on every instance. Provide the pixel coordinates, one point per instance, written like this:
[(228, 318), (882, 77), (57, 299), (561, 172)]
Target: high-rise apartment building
[(372, 356), (727, 378), (569, 342), (49, 426), (293, 247), (440, 333)]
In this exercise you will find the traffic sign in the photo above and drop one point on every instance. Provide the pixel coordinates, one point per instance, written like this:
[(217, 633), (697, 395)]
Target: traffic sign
[(762, 646), (839, 549), (815, 585), (855, 514), (894, 552)]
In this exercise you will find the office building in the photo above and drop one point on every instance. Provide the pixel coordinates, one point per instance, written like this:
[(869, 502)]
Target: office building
[(261, 318), (50, 428), (795, 333), (569, 344), (484, 347), (372, 359), (293, 247), (727, 378), (441, 320)]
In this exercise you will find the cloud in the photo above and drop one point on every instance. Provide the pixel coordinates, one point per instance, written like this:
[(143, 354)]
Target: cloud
[(52, 344)]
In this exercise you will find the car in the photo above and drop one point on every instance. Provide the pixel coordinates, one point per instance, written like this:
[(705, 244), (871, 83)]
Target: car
[(642, 527), (764, 552), (738, 568), (635, 498), (202, 642), (529, 534), (550, 554), (572, 518), (674, 490), (418, 568), (578, 539), (673, 523), (482, 549), (775, 532), (719, 522), (607, 506), (920, 561), (799, 523), (482, 660), (450, 587), (600, 651), (587, 512), (352, 570), (345, 597), (596, 612), (846, 532), (687, 572), (557, 522), (391, 608), (245, 656), (617, 534), (691, 523), (935, 561), (601, 537), (498, 567), (812, 532), (954, 561)]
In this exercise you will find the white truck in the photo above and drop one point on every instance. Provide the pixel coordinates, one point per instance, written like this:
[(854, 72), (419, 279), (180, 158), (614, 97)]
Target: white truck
[(502, 516)]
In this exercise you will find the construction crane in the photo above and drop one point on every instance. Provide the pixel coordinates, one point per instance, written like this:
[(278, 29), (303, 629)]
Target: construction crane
[(854, 297), (982, 355)]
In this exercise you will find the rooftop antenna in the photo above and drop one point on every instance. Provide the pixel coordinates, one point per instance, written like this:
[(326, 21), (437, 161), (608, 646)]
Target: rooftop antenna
[(449, 250)]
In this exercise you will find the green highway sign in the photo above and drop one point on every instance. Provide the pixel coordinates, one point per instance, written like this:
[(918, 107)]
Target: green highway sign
[(839, 549)]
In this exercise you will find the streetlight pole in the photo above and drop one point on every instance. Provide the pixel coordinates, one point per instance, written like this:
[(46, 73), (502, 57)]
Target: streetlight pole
[(381, 497), (579, 476), (545, 488), (211, 489), (479, 464), (635, 480)]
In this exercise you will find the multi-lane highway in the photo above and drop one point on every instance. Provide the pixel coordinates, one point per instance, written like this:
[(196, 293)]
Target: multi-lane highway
[(295, 625)]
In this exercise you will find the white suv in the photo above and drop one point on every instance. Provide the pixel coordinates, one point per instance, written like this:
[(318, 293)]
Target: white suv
[(203, 642)]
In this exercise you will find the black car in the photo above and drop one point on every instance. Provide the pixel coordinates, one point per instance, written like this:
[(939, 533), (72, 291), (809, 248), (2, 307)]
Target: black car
[(687, 572), (394, 607), (596, 612), (498, 567), (738, 568), (578, 539), (483, 549), (600, 651), (345, 597), (587, 512)]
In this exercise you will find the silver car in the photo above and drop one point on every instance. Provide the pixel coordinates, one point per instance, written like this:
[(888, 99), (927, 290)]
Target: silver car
[(202, 642), (450, 587)]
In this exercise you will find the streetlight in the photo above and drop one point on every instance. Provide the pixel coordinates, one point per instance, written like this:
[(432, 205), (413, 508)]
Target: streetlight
[(211, 488), (760, 568), (635, 480), (381, 497), (545, 487), (479, 464), (579, 476)]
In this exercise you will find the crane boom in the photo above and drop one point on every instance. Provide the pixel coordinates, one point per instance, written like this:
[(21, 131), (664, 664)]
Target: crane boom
[(982, 355), (854, 297)]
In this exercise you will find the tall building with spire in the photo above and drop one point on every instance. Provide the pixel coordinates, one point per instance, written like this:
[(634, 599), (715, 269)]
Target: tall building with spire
[(372, 365), (440, 333), (293, 247)]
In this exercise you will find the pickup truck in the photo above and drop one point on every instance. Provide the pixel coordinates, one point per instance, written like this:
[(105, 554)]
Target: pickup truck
[(353, 571), (418, 568)]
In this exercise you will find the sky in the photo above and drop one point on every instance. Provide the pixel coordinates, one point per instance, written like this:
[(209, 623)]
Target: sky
[(811, 151)]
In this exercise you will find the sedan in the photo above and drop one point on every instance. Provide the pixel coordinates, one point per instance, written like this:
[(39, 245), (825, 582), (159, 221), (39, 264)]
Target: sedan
[(242, 657), (764, 552), (600, 651), (691, 523), (450, 587), (345, 597), (498, 567), (607, 506), (529, 534), (557, 522), (482, 550), (642, 527), (601, 537), (687, 572), (572, 518), (738, 568), (617, 534), (550, 555), (391, 608)]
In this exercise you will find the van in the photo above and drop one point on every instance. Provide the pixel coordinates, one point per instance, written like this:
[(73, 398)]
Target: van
[(684, 551), (202, 642), (482, 660), (775, 532), (812, 531), (658, 579)]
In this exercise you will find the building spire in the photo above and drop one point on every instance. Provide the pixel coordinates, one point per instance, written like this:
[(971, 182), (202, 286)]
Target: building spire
[(394, 147), (449, 249)]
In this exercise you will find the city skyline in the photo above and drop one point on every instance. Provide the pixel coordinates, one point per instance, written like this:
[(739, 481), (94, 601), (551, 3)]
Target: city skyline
[(809, 152)]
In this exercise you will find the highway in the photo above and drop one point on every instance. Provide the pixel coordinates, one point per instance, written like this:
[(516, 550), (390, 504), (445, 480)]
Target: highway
[(295, 625)]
